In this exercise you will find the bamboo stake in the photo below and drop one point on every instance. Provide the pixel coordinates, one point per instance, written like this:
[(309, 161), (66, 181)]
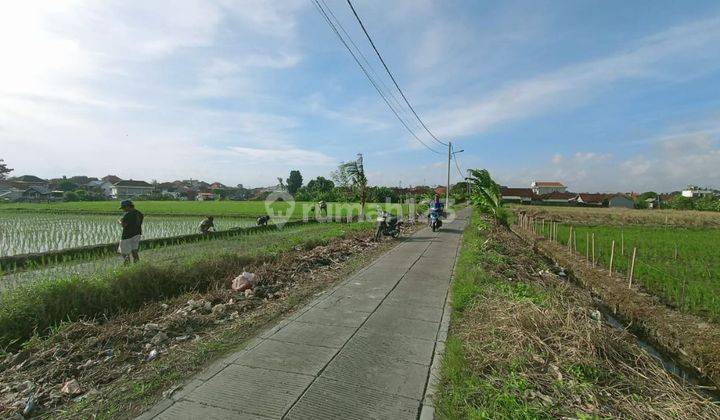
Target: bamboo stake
[(622, 242), (612, 256), (632, 268), (543, 227), (569, 245), (593, 249), (575, 241), (587, 247)]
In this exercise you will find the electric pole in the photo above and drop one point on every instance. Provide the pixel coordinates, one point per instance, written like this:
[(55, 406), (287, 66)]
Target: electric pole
[(447, 191)]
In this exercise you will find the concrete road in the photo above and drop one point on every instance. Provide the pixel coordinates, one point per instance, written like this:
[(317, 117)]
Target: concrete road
[(367, 349)]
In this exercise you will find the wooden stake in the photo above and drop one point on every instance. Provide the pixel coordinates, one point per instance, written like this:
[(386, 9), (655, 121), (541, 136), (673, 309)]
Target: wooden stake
[(683, 292), (587, 247), (543, 227), (570, 239), (593, 249), (622, 242), (632, 268), (612, 256), (575, 241)]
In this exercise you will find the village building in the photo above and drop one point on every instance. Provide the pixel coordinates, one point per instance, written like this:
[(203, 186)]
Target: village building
[(693, 191), (544, 187), (517, 195), (557, 198), (131, 189), (621, 200)]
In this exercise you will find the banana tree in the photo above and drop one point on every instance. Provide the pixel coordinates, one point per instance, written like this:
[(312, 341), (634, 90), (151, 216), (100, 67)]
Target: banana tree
[(485, 194)]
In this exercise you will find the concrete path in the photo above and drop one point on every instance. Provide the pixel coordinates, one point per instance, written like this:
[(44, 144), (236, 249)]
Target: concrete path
[(362, 350)]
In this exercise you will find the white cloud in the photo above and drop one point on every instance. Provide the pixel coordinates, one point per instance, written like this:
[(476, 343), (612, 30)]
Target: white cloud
[(679, 53)]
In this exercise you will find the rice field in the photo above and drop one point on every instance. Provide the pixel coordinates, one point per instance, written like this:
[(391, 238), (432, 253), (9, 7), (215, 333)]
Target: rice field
[(266, 242), (680, 265), (24, 232)]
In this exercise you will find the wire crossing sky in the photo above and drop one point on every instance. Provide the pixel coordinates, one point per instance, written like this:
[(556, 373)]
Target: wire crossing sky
[(602, 96)]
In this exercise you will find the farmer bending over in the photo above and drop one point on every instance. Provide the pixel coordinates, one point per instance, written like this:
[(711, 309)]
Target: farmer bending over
[(132, 231), (207, 224)]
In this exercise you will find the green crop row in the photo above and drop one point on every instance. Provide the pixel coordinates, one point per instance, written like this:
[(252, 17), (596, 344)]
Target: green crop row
[(681, 266)]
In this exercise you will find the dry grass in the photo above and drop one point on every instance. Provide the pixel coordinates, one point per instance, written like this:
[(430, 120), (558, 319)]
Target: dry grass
[(531, 346), (621, 216)]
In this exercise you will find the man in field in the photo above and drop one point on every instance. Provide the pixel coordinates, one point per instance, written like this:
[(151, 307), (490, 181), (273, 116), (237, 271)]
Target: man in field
[(131, 223), (207, 224)]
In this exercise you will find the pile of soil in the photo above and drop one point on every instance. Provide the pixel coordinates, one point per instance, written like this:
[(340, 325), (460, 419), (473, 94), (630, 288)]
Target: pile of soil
[(539, 340), (85, 360), (693, 341)]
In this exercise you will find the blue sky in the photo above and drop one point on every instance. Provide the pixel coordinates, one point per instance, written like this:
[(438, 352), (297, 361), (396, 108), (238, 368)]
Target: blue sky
[(602, 95)]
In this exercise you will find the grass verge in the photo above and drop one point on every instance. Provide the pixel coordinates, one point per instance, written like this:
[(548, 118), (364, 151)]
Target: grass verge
[(525, 344)]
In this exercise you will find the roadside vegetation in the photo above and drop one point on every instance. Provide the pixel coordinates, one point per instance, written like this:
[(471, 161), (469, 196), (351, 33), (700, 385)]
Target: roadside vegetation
[(117, 366), (39, 306), (524, 343)]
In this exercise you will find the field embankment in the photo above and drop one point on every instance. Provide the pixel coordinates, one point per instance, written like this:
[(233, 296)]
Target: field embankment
[(121, 364), (525, 343), (622, 216)]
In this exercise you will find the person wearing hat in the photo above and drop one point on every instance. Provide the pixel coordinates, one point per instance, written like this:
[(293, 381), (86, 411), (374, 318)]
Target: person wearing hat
[(132, 231)]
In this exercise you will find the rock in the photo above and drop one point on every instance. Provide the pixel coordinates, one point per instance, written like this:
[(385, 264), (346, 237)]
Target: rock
[(71, 387), (596, 315), (159, 338), (218, 309)]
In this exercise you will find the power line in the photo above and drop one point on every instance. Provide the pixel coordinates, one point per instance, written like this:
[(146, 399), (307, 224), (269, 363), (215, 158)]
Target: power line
[(386, 89), (372, 81), (391, 75)]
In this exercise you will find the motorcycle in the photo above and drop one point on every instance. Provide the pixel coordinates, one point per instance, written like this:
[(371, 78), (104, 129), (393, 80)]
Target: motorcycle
[(387, 225), (434, 219)]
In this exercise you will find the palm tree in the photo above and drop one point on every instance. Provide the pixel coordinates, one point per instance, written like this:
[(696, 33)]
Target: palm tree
[(356, 172)]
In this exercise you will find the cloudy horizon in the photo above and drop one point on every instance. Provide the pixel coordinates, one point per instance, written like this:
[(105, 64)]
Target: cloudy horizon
[(602, 96)]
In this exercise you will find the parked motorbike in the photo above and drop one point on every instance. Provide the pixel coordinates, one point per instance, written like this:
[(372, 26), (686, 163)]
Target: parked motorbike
[(387, 225)]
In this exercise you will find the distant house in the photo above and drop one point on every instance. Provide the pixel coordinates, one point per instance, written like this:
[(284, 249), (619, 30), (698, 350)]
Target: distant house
[(31, 180), (557, 198), (103, 186), (544, 187), (36, 194), (112, 179), (130, 189), (621, 200), (693, 191), (587, 199), (205, 197), (9, 193), (517, 195), (217, 186)]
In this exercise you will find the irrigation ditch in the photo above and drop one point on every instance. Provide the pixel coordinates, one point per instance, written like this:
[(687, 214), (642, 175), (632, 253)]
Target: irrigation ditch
[(685, 345)]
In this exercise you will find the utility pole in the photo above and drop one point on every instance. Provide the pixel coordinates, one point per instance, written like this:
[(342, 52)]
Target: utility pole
[(447, 191)]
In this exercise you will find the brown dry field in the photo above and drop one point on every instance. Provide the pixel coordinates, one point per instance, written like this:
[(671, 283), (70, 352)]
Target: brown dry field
[(621, 216)]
